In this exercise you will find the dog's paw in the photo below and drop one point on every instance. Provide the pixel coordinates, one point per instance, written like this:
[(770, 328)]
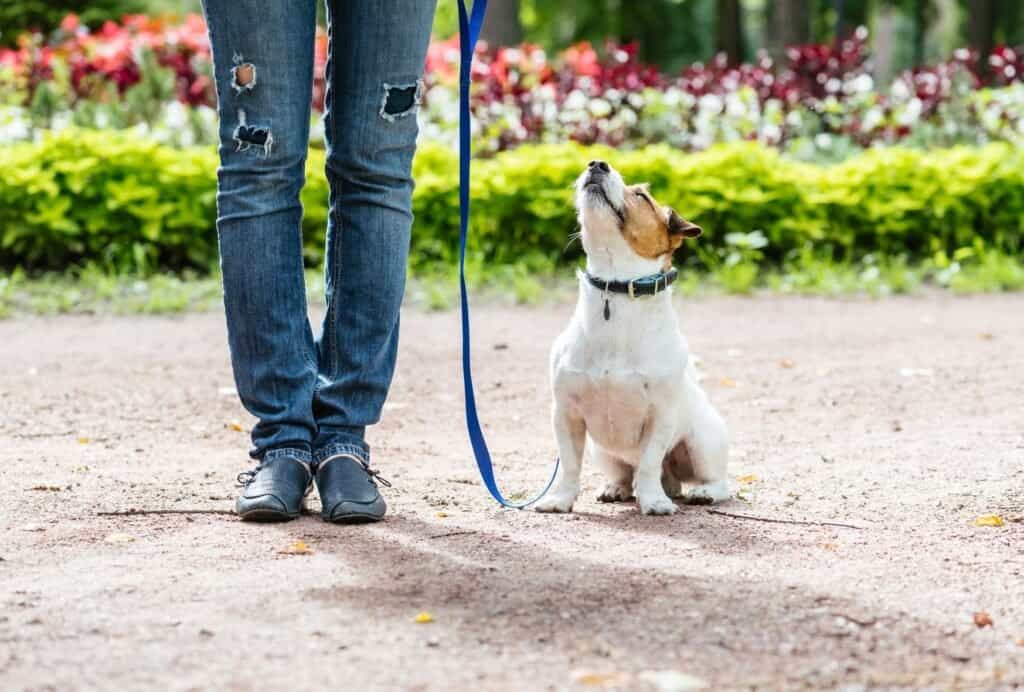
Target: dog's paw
[(707, 493), (616, 492), (555, 504), (657, 505)]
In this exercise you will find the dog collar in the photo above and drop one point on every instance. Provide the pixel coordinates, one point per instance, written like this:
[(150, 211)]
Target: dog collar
[(649, 285)]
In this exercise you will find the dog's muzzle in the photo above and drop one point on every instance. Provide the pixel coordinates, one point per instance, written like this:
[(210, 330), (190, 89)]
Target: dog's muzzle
[(595, 188)]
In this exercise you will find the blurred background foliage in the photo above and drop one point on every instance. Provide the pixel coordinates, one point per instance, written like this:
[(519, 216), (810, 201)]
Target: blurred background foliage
[(670, 33), (824, 145)]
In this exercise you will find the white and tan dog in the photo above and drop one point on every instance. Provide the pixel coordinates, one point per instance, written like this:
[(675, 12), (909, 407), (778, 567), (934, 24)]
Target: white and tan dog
[(621, 372)]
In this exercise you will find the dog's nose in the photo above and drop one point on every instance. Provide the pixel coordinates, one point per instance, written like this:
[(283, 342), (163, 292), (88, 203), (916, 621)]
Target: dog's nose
[(599, 165)]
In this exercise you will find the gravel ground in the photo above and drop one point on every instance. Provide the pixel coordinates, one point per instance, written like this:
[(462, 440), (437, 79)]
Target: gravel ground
[(901, 419)]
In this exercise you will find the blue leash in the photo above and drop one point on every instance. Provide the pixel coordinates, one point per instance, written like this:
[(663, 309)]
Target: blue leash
[(469, 32)]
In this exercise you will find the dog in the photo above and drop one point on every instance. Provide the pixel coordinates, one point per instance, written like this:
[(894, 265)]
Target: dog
[(622, 381)]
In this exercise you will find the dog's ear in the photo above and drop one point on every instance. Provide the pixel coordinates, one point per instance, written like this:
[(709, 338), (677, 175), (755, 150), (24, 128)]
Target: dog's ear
[(678, 226)]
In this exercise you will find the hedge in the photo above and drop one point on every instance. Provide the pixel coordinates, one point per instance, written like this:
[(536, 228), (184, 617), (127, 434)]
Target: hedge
[(128, 204)]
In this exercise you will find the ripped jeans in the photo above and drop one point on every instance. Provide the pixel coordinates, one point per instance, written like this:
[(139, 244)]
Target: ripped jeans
[(314, 397)]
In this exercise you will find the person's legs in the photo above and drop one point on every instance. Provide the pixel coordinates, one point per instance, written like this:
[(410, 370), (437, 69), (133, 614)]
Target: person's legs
[(263, 62), (377, 54)]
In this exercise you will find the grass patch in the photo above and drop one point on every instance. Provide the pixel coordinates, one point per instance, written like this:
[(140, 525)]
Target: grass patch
[(91, 291)]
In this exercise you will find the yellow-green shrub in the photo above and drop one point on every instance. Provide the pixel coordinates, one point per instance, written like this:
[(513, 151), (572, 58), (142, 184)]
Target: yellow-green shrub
[(129, 204)]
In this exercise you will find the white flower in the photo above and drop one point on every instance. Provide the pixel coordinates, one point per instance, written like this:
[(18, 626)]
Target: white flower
[(175, 115), (823, 141), (576, 100), (710, 103), (863, 84), (600, 108), (900, 91), (872, 119), (771, 133), (734, 106), (911, 113)]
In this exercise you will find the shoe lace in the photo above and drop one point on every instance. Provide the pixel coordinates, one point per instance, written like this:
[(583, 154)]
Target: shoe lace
[(246, 477), (375, 475)]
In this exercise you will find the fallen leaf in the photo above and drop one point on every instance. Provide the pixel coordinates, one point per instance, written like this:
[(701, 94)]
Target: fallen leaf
[(986, 336), (423, 618), (235, 425), (830, 546), (672, 681), (296, 548), (599, 679), (83, 440), (442, 515), (786, 363), (119, 538), (989, 520), (749, 478), (727, 382), (982, 619)]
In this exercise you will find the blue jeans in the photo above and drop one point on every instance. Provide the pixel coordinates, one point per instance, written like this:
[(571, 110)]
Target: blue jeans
[(314, 398)]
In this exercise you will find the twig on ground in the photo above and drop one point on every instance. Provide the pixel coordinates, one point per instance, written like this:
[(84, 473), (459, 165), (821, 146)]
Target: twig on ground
[(785, 521), (857, 621), (32, 436), (452, 533), (137, 512)]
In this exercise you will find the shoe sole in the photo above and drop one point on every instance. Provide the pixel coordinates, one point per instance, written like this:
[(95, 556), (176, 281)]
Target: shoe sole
[(354, 518), (267, 516)]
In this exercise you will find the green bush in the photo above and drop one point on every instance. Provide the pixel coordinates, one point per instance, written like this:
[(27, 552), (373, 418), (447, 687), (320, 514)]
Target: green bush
[(17, 16), (127, 204)]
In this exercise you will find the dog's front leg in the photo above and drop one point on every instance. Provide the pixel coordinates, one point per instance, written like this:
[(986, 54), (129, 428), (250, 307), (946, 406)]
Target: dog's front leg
[(570, 434), (650, 493)]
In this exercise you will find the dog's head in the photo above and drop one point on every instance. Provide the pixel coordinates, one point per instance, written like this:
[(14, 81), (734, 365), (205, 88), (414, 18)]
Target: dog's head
[(624, 220)]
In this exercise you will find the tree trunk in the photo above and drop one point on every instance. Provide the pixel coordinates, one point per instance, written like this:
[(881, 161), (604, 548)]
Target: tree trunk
[(920, 29), (789, 23), (502, 26), (729, 30), (981, 31), (883, 33), (840, 9)]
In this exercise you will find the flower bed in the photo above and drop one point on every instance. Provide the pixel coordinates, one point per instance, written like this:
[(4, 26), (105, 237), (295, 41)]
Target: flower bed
[(821, 104)]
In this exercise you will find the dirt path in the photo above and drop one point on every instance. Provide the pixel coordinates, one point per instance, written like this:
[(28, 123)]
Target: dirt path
[(112, 414)]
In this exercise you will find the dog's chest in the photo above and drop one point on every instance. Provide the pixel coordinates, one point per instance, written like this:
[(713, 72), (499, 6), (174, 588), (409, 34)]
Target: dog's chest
[(616, 406), (617, 380)]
